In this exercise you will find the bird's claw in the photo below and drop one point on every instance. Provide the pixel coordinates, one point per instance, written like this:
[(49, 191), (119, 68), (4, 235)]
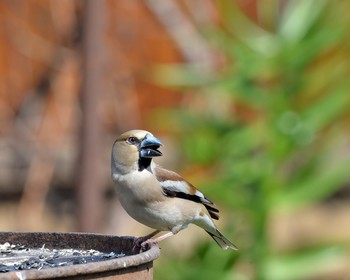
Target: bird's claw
[(141, 245), (146, 245)]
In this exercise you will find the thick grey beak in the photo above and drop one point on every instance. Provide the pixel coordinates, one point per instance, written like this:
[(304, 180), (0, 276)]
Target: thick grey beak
[(149, 147)]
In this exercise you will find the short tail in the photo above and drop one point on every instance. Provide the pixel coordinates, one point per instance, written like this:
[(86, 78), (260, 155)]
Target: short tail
[(222, 241)]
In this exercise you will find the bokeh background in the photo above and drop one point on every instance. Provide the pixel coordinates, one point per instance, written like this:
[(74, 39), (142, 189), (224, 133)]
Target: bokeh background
[(251, 99)]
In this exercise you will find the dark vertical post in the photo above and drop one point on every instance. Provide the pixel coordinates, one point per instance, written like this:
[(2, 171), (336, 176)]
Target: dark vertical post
[(90, 184)]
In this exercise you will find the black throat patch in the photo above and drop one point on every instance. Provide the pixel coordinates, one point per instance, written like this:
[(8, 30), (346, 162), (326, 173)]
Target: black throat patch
[(144, 163)]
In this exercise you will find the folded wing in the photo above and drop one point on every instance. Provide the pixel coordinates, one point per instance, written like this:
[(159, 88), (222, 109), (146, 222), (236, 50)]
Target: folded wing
[(173, 185)]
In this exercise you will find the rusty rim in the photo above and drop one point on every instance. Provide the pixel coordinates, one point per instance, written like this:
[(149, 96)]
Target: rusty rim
[(85, 241)]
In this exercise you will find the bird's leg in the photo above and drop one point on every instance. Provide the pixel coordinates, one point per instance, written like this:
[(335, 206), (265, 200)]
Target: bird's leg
[(138, 241), (148, 236), (156, 240)]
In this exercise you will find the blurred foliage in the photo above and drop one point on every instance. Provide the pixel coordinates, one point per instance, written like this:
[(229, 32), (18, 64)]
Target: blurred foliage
[(271, 124)]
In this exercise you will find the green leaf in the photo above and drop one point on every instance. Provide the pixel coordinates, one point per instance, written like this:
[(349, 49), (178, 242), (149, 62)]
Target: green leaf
[(318, 186), (327, 109), (248, 32), (299, 17)]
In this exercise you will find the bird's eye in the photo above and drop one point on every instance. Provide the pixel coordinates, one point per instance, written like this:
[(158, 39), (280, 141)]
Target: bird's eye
[(132, 140)]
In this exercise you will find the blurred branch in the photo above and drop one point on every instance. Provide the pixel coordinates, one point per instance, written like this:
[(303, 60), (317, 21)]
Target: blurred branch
[(35, 190), (49, 138), (202, 11), (192, 46), (89, 188)]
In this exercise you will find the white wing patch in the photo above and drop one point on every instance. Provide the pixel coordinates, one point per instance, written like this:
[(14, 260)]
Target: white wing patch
[(182, 186), (177, 186)]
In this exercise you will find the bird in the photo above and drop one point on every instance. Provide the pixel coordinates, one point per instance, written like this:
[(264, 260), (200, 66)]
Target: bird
[(156, 197)]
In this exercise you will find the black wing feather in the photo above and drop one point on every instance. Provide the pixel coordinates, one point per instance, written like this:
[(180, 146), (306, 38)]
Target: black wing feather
[(212, 211)]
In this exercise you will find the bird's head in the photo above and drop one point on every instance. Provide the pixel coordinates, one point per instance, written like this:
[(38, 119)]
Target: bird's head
[(135, 148)]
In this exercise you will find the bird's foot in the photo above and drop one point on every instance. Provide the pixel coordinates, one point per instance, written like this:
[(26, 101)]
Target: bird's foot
[(147, 244), (136, 246), (140, 243), (143, 243)]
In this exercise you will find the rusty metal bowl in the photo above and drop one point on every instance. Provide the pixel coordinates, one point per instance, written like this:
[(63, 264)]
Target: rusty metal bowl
[(128, 264)]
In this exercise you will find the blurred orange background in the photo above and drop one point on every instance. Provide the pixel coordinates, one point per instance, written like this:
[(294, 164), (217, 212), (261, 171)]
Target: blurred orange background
[(75, 74)]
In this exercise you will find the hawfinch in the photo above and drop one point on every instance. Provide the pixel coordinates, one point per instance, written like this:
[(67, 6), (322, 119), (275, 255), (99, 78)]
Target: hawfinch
[(156, 197)]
